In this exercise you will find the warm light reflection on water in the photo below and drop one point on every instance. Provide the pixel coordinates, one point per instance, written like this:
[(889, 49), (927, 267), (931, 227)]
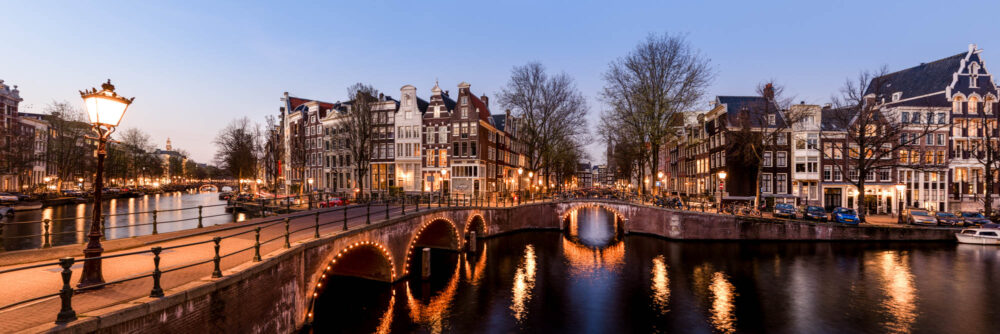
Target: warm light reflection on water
[(474, 273), (723, 307), (385, 323), (900, 303), (433, 313), (524, 282), (584, 260), (660, 285)]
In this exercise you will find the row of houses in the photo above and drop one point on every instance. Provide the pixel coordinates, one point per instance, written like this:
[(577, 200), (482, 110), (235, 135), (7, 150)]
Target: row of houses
[(26, 142), (954, 97), (447, 144)]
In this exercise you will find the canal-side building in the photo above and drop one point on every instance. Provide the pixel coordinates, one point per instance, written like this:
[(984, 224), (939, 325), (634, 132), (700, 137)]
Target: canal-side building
[(339, 171), (10, 129), (409, 133), (472, 171), (955, 98), (383, 162), (806, 153), (437, 141), (730, 115)]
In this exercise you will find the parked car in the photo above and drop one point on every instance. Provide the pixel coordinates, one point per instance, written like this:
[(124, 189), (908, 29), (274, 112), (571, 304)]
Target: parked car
[(974, 218), (948, 219), (814, 213), (244, 197), (334, 201), (6, 197), (784, 210), (845, 216), (225, 195), (919, 217), (6, 211)]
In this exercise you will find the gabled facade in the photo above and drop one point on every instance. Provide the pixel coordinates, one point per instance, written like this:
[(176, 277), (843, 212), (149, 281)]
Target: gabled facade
[(437, 141), (806, 153), (383, 163), (409, 133)]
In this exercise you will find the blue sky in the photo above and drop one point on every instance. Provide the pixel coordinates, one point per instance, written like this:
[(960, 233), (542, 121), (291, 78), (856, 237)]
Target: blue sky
[(194, 66)]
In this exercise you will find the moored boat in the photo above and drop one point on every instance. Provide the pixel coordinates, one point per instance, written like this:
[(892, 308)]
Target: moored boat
[(21, 206), (979, 236)]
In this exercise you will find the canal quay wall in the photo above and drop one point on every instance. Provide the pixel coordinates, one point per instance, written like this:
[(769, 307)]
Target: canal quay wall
[(276, 294)]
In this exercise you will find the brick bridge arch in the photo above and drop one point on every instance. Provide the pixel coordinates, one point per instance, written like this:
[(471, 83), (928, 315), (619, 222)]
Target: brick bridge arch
[(622, 212)]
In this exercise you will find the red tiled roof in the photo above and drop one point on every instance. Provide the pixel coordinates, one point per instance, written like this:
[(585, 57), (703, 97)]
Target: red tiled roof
[(484, 112), (295, 102)]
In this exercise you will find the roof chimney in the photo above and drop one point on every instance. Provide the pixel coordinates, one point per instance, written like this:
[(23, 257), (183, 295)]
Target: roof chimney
[(381, 97), (446, 93), (486, 100), (769, 91)]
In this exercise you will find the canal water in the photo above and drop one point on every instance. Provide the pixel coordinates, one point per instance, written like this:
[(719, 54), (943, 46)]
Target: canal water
[(128, 217), (591, 280)]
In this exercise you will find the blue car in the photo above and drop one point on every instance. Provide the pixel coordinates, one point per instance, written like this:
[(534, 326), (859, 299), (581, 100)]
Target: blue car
[(845, 216)]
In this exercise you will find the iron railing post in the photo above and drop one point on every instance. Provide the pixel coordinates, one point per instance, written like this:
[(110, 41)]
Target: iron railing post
[(157, 290), (316, 234), (256, 244), (66, 314), (287, 244), (386, 208), (345, 218), (368, 213), (104, 226), (404, 204), (218, 270), (45, 232), (154, 223), (200, 217)]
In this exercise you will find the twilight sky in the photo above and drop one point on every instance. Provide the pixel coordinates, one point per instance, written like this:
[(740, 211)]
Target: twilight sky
[(194, 66)]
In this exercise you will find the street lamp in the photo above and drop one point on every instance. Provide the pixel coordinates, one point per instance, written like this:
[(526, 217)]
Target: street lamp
[(444, 173), (722, 187), (900, 188), (310, 184), (105, 109)]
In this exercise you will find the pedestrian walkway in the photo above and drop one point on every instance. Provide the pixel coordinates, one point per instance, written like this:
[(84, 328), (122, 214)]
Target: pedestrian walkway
[(183, 260)]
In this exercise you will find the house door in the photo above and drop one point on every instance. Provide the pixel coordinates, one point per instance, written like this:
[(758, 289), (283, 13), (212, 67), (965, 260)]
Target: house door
[(832, 198), (871, 204)]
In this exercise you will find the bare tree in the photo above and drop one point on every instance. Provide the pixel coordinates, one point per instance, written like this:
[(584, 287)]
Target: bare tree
[(987, 152), (873, 135), (273, 151), (69, 152), (17, 150), (550, 108), (237, 148), (645, 90), (356, 126), (762, 125)]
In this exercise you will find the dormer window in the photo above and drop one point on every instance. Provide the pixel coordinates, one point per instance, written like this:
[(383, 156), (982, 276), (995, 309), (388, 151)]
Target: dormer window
[(896, 96), (973, 75), (465, 100), (770, 119)]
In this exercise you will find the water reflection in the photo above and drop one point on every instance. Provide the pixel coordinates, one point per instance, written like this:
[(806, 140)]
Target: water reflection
[(432, 312), (524, 282), (660, 285), (900, 303), (723, 307)]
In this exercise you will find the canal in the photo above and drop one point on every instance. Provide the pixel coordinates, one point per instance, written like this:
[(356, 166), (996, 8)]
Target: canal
[(591, 280), (128, 217)]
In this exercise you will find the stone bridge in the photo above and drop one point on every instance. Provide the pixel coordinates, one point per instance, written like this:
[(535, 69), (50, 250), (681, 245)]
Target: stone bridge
[(277, 294)]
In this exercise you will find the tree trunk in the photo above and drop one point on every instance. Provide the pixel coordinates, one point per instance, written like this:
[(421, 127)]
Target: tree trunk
[(860, 200), (756, 192)]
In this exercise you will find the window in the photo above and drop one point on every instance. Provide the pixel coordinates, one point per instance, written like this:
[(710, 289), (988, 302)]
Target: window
[(473, 146), (940, 118), (767, 159), (837, 176), (883, 174), (940, 139), (973, 105), (957, 105), (812, 142), (906, 117), (852, 174), (827, 173), (782, 159), (781, 180), (465, 112), (770, 119), (930, 139), (782, 139), (465, 100)]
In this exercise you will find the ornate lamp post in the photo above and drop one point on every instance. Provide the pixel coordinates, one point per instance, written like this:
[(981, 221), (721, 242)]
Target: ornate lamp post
[(444, 173), (310, 184), (659, 182), (105, 109), (722, 188)]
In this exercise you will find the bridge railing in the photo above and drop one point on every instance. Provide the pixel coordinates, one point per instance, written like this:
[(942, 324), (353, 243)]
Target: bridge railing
[(280, 232)]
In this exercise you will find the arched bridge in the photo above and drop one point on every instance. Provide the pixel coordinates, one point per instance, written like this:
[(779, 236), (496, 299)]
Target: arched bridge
[(284, 284)]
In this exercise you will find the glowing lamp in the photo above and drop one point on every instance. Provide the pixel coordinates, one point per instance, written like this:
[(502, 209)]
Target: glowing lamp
[(105, 107)]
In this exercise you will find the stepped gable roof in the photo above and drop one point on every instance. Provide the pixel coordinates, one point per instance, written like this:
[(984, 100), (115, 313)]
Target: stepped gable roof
[(919, 80), (735, 105)]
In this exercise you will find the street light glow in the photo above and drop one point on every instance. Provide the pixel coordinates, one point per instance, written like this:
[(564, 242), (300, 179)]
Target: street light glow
[(105, 107)]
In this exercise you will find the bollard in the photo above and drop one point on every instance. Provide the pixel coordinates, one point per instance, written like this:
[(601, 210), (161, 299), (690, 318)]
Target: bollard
[(310, 202), (368, 213), (288, 204), (256, 244), (425, 261), (345, 218), (157, 290), (66, 314), (404, 204), (154, 223), (472, 241), (386, 209), (287, 244), (316, 235), (218, 271), (200, 217), (45, 232)]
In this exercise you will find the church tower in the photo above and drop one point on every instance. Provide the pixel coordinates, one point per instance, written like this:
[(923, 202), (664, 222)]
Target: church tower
[(168, 145)]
